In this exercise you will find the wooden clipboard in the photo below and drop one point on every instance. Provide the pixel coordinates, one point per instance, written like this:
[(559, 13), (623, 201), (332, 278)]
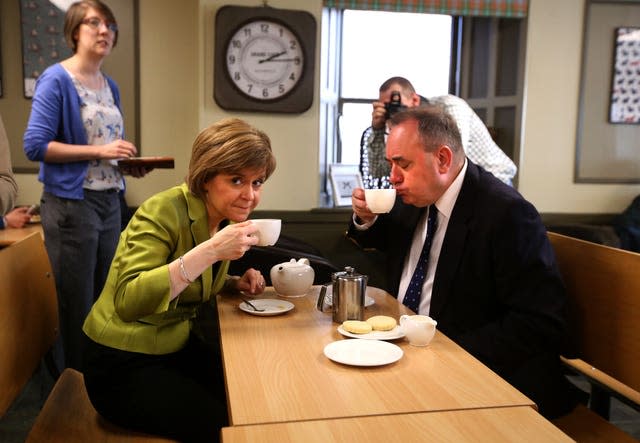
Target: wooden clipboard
[(147, 162)]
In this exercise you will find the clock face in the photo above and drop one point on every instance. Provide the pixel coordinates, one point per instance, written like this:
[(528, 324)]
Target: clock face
[(264, 59)]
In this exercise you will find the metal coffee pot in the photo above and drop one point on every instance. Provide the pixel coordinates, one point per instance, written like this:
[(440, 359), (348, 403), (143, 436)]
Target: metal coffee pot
[(348, 296)]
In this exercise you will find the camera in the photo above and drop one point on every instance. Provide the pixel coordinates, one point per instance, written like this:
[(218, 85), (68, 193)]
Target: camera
[(394, 105)]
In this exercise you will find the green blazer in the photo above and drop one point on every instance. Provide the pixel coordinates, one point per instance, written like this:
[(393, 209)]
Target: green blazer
[(133, 312)]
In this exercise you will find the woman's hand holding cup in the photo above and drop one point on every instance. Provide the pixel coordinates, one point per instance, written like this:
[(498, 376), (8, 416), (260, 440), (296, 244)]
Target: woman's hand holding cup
[(231, 242)]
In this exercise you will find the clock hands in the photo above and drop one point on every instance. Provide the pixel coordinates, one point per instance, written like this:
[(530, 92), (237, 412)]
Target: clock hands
[(271, 57), (282, 60)]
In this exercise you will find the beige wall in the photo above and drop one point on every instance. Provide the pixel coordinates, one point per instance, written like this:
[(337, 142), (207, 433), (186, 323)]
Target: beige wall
[(552, 77), (294, 137), (13, 106), (176, 45), (177, 101), (169, 90)]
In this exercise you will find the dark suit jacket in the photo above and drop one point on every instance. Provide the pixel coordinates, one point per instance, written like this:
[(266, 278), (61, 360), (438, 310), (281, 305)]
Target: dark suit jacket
[(497, 290)]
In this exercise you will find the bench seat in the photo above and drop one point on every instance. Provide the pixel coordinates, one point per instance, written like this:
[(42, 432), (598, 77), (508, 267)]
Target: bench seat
[(69, 416), (603, 294)]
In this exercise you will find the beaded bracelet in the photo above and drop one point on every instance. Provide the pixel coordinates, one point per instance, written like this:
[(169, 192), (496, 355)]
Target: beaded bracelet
[(183, 271)]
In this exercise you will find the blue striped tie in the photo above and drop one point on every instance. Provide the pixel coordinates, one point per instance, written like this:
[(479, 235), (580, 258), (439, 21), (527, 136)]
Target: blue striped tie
[(412, 296)]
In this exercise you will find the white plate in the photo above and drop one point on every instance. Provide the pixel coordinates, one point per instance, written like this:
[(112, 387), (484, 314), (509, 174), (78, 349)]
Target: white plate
[(375, 335), (271, 306), (360, 352), (368, 301)]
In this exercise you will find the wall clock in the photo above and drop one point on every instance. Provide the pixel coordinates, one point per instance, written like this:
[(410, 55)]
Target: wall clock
[(264, 59)]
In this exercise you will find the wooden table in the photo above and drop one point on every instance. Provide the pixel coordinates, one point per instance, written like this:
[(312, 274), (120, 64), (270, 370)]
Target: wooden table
[(276, 371), (509, 424), (11, 235)]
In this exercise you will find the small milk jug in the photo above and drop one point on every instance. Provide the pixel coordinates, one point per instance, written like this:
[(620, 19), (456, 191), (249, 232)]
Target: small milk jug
[(348, 296)]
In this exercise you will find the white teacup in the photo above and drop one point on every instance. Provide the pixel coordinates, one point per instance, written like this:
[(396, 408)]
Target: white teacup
[(419, 329), (380, 201), (268, 230)]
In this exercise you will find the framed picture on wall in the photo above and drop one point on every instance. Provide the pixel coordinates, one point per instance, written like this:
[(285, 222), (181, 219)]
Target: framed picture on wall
[(625, 89), (43, 42), (344, 179)]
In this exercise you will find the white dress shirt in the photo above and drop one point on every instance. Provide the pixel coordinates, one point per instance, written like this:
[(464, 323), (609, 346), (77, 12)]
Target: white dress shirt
[(445, 206)]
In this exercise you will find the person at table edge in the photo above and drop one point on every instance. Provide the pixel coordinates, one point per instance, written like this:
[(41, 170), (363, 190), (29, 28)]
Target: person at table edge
[(10, 217), (152, 361), (492, 282)]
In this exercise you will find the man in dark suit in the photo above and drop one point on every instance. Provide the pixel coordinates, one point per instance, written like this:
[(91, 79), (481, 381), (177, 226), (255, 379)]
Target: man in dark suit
[(490, 277)]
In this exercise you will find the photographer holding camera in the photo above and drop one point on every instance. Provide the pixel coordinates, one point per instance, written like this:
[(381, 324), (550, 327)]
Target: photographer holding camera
[(396, 94)]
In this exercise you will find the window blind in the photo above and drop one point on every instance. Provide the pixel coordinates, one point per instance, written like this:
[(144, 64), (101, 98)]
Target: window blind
[(489, 8)]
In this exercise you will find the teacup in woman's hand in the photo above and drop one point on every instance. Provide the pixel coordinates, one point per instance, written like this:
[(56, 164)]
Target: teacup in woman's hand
[(268, 230), (380, 201)]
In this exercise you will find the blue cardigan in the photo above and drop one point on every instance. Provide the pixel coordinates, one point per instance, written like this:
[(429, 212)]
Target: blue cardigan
[(55, 116)]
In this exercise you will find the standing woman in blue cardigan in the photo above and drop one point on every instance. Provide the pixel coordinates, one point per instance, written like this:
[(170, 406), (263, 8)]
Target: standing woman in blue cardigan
[(76, 132)]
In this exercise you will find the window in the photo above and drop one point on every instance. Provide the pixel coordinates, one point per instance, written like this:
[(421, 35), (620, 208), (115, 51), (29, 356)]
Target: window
[(480, 59), (360, 50), (492, 74)]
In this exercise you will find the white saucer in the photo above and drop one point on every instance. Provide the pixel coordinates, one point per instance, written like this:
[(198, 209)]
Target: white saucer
[(360, 352), (271, 306), (375, 335)]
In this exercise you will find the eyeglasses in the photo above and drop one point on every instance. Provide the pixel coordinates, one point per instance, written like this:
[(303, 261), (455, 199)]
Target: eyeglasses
[(95, 22)]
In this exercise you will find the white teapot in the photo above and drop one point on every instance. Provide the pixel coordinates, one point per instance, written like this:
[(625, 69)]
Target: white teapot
[(292, 278)]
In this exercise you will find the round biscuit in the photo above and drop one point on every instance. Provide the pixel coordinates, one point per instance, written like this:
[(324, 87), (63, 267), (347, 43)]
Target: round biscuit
[(382, 322), (356, 326)]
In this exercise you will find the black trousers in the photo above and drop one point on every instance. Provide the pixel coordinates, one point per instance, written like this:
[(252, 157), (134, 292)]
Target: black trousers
[(179, 395)]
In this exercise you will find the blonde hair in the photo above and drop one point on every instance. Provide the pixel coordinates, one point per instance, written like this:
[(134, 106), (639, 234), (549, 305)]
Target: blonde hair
[(228, 146)]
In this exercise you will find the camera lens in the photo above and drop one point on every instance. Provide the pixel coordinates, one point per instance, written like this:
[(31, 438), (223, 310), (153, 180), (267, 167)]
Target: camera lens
[(394, 105)]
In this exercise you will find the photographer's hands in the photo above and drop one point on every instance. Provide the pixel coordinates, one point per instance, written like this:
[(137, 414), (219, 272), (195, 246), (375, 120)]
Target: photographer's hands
[(378, 116)]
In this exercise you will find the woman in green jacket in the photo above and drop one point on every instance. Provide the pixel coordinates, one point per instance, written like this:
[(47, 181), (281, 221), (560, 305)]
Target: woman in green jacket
[(146, 368)]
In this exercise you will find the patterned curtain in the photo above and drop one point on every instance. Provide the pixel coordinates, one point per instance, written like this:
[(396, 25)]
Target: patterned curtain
[(493, 8)]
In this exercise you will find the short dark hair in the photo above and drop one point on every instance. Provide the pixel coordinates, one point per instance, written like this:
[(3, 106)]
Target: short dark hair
[(405, 85), (435, 125), (227, 147), (77, 13)]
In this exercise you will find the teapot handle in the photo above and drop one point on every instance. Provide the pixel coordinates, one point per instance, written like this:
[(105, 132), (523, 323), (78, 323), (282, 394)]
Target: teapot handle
[(323, 293)]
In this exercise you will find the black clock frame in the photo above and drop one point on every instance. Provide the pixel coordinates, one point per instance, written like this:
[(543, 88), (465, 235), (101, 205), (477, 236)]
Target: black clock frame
[(225, 92)]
